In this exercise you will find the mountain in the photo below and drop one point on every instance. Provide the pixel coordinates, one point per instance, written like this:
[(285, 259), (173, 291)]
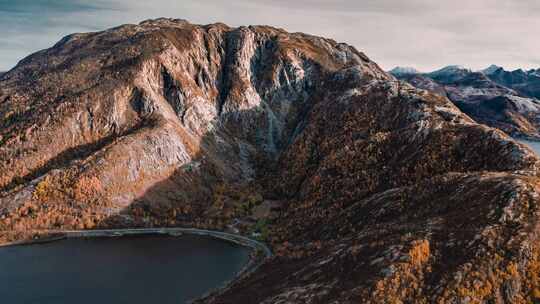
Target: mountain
[(422, 82), (404, 71), (534, 72), (449, 74), (526, 83), (486, 100), (491, 69), (379, 192)]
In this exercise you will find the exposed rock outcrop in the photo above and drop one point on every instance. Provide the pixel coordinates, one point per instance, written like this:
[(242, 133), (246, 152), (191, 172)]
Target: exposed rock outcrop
[(380, 192)]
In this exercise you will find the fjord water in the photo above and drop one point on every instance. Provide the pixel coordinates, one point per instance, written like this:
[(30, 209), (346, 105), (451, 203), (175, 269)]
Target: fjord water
[(144, 269), (534, 145)]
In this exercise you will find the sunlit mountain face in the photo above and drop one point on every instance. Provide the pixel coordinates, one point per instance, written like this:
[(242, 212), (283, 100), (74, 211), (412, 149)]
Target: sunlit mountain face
[(478, 33)]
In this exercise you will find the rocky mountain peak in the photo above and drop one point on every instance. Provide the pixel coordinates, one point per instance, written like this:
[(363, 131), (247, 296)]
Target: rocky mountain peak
[(450, 74), (491, 69), (450, 69), (402, 71)]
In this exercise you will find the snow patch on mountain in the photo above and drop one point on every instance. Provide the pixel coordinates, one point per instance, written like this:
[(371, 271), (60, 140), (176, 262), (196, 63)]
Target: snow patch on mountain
[(491, 69), (450, 70), (400, 71), (524, 105)]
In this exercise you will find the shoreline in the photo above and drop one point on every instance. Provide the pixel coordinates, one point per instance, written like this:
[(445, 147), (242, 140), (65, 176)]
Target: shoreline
[(254, 262), (67, 234)]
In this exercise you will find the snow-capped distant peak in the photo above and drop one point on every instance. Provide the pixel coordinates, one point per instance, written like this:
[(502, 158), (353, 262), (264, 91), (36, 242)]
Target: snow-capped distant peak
[(450, 73), (404, 71), (451, 69), (491, 69)]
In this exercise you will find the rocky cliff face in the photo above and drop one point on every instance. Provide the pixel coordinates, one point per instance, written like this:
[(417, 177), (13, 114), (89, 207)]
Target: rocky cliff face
[(377, 191), (486, 99)]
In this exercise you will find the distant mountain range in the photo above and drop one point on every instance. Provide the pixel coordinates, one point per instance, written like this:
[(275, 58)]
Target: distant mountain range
[(525, 82), (503, 99)]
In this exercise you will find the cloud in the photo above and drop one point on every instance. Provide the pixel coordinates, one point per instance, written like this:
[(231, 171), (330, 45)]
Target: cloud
[(422, 33)]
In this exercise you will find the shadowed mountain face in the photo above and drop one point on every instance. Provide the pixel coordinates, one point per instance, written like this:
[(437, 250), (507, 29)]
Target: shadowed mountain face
[(378, 192), (500, 99)]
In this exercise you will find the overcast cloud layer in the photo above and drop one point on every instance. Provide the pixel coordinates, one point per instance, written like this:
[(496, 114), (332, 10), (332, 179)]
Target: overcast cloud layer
[(425, 34)]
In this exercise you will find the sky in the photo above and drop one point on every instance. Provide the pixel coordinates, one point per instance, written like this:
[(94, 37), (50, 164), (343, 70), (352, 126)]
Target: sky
[(425, 34)]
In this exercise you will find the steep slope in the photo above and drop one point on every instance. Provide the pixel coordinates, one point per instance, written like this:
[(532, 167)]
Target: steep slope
[(399, 198), (483, 99), (423, 82), (100, 118), (379, 192)]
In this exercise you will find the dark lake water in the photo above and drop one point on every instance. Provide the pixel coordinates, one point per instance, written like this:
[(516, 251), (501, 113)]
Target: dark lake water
[(143, 269)]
